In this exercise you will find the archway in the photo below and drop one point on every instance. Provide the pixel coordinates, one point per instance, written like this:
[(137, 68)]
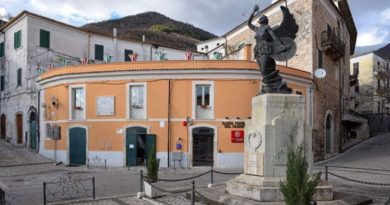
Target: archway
[(329, 133), (203, 146)]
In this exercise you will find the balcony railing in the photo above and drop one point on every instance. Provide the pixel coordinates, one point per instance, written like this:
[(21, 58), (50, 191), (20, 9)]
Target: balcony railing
[(381, 72), (332, 45)]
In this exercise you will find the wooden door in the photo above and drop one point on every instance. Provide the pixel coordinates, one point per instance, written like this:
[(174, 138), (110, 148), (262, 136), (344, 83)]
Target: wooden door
[(19, 127), (3, 126)]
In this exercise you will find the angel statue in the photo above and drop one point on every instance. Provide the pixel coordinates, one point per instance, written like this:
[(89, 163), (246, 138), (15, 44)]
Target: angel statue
[(273, 44)]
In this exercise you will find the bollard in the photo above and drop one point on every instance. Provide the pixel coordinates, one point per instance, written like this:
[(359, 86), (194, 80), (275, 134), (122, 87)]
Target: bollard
[(87, 163), (44, 193), (193, 193), (141, 180), (326, 173), (212, 175), (93, 188), (105, 163)]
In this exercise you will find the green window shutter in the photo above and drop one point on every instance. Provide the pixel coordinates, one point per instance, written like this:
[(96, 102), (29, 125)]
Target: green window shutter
[(17, 39), (44, 39), (2, 50), (19, 80), (99, 52)]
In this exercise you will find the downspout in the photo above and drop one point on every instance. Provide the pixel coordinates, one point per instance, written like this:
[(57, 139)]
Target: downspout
[(38, 118), (169, 121)]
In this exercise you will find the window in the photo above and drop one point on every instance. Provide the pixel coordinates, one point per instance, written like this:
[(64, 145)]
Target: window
[(17, 39), (19, 78), (2, 49), (2, 83), (203, 100), (44, 39), (137, 101), (319, 58), (99, 52), (77, 103), (298, 92), (127, 55)]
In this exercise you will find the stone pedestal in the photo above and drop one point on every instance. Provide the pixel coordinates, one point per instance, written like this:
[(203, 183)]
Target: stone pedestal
[(277, 126)]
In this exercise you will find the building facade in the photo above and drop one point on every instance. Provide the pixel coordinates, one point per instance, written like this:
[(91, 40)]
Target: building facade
[(194, 112), (371, 91), (326, 39), (31, 44)]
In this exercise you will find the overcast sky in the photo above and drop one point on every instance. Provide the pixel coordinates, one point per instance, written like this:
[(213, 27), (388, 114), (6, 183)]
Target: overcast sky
[(372, 17)]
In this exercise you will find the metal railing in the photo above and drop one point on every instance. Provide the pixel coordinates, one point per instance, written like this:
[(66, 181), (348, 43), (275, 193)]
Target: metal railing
[(68, 187), (331, 40)]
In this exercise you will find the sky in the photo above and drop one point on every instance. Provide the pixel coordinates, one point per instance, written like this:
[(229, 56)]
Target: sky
[(372, 17)]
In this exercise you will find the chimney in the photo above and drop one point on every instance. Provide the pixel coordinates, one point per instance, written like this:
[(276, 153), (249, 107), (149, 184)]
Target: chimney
[(248, 52)]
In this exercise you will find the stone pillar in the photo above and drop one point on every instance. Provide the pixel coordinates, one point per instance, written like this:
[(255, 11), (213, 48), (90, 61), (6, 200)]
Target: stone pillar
[(277, 126)]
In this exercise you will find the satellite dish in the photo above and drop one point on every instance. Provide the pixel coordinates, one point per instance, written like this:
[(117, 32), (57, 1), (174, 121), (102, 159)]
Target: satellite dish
[(320, 73)]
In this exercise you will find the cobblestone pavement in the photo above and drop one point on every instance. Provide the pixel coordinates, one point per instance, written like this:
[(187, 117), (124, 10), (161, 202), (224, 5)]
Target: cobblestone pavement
[(23, 172), (363, 170)]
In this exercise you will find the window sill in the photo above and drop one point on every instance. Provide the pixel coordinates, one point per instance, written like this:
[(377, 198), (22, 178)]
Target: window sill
[(19, 48)]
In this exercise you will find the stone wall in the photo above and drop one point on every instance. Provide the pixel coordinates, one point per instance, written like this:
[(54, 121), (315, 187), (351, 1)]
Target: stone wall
[(378, 123)]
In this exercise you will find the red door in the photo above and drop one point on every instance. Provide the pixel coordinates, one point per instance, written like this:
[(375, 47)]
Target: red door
[(19, 127)]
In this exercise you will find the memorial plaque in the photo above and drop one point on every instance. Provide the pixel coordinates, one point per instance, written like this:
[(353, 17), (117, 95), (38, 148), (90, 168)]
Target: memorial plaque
[(105, 105)]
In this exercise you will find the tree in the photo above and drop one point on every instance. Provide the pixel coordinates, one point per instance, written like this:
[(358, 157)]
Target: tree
[(299, 187)]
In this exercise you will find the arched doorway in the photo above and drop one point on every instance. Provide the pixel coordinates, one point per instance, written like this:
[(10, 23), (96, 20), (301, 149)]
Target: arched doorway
[(77, 146), (329, 133), (203, 146), (138, 145), (3, 131), (33, 131)]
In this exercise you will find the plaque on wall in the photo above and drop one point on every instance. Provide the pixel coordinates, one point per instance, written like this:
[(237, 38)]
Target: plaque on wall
[(105, 105)]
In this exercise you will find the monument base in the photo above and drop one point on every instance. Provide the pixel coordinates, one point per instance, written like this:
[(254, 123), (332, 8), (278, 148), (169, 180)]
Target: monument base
[(266, 189)]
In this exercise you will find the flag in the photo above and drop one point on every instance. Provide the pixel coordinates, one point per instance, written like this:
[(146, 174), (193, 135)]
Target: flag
[(50, 67), (188, 55), (133, 56), (84, 60)]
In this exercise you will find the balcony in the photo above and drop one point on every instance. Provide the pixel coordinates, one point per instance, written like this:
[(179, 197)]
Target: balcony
[(332, 45), (381, 72)]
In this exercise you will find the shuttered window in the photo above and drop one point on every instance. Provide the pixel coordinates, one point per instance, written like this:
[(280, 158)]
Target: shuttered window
[(44, 39), (1, 49), (99, 52), (19, 80), (17, 39)]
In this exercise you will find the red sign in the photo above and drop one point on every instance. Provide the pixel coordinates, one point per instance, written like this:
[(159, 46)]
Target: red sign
[(237, 136)]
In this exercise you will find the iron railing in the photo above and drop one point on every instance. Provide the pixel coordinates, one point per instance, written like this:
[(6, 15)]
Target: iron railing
[(332, 44)]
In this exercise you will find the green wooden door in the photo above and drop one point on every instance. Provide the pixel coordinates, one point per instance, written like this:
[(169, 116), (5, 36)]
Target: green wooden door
[(77, 146), (150, 144), (33, 134), (131, 148)]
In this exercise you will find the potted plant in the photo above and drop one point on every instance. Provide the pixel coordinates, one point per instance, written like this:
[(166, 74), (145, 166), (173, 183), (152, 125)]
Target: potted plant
[(152, 166)]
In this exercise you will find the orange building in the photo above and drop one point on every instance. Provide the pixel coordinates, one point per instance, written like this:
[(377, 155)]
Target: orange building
[(193, 112)]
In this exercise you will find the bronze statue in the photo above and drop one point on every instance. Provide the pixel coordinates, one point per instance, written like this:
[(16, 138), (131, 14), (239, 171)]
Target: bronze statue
[(274, 44)]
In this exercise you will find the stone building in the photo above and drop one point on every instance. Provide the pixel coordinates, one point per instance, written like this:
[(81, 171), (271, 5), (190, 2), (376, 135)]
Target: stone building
[(326, 39), (372, 87), (31, 44)]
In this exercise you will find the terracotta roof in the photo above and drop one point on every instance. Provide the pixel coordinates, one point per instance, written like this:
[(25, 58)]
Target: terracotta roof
[(166, 66)]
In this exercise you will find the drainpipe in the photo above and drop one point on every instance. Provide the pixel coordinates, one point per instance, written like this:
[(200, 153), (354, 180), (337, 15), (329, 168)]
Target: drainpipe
[(169, 120), (38, 118)]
